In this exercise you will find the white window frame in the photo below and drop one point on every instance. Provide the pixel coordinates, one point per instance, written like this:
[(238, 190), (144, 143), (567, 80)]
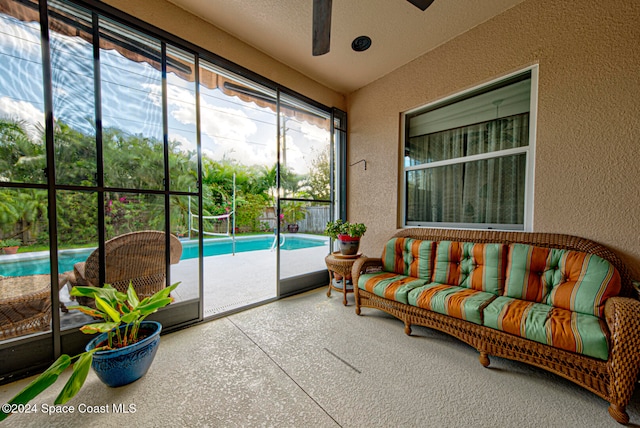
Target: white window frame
[(529, 151)]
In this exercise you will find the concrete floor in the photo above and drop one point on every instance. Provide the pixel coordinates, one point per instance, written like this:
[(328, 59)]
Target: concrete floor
[(309, 361)]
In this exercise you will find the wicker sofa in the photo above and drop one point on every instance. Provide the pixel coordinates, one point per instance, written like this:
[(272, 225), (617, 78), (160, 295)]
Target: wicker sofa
[(559, 302)]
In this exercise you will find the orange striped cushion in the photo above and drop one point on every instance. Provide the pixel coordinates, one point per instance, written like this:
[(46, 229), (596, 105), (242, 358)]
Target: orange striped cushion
[(561, 328), (458, 302), (389, 285), (406, 256), (571, 280)]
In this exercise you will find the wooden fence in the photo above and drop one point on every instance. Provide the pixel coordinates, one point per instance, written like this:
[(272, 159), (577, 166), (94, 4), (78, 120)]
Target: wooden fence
[(315, 219)]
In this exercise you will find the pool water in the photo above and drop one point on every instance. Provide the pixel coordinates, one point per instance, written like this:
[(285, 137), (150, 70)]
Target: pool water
[(38, 263)]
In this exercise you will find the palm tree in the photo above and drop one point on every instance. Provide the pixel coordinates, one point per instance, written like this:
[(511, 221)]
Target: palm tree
[(9, 213), (34, 205), (21, 159)]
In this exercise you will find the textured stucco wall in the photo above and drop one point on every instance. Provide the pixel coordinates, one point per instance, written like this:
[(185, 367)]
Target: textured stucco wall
[(177, 21), (587, 156)]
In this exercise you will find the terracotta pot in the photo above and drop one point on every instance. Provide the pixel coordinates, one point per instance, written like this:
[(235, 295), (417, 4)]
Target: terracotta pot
[(10, 250)]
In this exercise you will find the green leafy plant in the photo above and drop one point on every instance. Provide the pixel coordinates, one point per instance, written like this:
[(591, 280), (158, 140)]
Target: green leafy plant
[(10, 242), (339, 227), (333, 228), (294, 212), (116, 309), (180, 231), (355, 230)]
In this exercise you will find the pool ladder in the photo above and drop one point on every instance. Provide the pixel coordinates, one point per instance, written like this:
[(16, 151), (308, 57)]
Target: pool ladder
[(275, 239)]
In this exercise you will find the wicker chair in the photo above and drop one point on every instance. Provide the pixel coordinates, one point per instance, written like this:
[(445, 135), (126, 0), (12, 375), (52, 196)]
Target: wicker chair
[(138, 257), (25, 304)]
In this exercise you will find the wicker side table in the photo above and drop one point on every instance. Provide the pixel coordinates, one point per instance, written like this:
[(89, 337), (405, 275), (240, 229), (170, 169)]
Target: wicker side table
[(340, 265)]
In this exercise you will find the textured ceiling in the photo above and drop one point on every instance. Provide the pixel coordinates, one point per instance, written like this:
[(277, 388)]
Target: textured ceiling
[(400, 32)]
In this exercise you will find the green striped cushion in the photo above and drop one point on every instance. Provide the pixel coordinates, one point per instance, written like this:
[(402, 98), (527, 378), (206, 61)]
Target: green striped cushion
[(561, 328), (459, 302), (476, 266), (406, 256), (528, 273), (565, 279), (389, 285)]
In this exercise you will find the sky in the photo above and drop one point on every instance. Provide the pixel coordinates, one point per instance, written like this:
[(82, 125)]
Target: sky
[(232, 129)]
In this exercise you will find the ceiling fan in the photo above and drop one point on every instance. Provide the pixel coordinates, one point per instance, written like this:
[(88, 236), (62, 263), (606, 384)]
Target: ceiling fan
[(322, 23)]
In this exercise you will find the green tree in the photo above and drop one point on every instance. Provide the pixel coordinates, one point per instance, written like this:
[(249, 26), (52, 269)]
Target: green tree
[(33, 206), (132, 161), (21, 159), (77, 218), (9, 212), (319, 179), (75, 155)]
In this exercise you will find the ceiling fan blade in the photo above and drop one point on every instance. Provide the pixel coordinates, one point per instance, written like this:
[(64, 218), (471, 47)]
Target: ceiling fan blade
[(421, 4), (321, 26)]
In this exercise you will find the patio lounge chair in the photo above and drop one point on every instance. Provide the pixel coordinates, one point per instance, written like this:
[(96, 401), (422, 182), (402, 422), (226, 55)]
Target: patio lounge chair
[(138, 257)]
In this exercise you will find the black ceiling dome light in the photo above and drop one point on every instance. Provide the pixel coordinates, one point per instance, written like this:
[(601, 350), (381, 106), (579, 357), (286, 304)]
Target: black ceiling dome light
[(322, 26), (361, 43)]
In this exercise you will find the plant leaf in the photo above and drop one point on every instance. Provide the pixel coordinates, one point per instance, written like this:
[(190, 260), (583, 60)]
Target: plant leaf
[(107, 293), (152, 306), (87, 310), (169, 289), (39, 384), (132, 297), (107, 309), (123, 308), (130, 317), (101, 327), (162, 294), (77, 378)]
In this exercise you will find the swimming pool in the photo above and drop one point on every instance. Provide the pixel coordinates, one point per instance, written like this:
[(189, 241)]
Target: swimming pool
[(38, 263)]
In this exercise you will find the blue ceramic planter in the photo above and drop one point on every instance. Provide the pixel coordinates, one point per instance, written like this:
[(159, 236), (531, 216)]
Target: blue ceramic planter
[(122, 366)]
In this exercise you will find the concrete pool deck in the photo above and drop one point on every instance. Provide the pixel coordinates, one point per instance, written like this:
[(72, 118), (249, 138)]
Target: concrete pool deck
[(229, 281), (233, 281)]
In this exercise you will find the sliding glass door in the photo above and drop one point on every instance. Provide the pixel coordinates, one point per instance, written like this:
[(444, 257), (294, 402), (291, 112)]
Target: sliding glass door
[(266, 162), (111, 130), (306, 165), (238, 190)]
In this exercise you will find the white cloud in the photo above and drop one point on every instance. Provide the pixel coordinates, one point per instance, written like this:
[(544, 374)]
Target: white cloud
[(185, 143), (230, 133), (22, 111), (233, 135), (295, 157), (155, 93), (314, 133)]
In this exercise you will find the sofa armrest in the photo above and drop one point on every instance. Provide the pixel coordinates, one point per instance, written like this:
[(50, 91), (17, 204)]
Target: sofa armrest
[(622, 315), (362, 265)]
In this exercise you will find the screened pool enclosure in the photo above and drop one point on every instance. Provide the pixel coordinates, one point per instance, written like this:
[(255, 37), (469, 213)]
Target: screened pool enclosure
[(109, 126)]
